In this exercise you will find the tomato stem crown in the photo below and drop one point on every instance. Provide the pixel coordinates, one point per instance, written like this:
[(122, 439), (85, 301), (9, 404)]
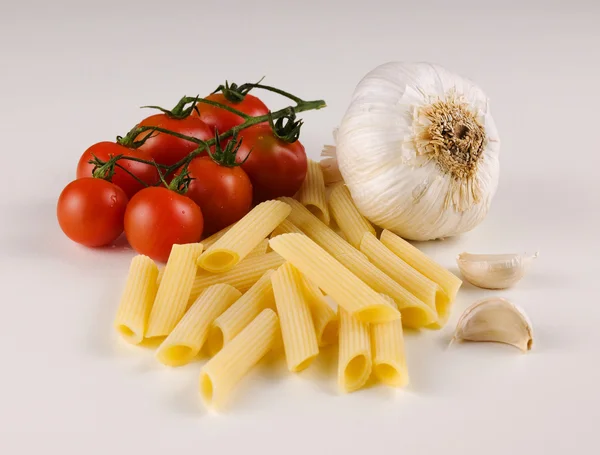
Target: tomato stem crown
[(180, 111), (130, 141), (235, 93), (226, 156), (286, 128)]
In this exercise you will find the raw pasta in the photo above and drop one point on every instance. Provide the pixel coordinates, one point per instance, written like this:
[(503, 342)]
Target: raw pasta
[(312, 192), (449, 282), (232, 363), (318, 231), (416, 313), (174, 289), (286, 227), (243, 237), (241, 313), (418, 284), (324, 317), (297, 328), (336, 280), (241, 277), (189, 335), (137, 299), (389, 360), (354, 360), (347, 216), (259, 249)]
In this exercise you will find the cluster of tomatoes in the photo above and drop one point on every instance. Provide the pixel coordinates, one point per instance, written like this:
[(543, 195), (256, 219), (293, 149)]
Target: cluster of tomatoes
[(216, 189)]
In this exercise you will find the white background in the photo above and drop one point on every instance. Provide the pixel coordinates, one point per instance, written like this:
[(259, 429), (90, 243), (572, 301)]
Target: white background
[(73, 74)]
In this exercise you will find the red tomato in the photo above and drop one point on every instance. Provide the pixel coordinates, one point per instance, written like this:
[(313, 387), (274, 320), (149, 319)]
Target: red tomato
[(104, 151), (157, 218), (167, 149), (223, 193), (222, 120), (276, 168), (90, 211)]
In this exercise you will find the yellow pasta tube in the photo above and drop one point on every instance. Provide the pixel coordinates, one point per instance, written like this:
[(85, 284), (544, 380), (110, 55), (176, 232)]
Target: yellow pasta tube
[(332, 277), (415, 313), (220, 375), (241, 277), (347, 216), (354, 358), (174, 289), (241, 313), (324, 318), (259, 249), (189, 335), (137, 299), (243, 237), (312, 192), (329, 166), (318, 231), (419, 285), (210, 241), (286, 227), (297, 328), (414, 257), (389, 360)]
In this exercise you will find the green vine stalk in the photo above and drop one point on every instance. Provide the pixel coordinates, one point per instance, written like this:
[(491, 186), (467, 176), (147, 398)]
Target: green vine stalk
[(104, 168)]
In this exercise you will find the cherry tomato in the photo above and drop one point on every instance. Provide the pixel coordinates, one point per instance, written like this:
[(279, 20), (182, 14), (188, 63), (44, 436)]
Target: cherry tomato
[(104, 151), (223, 193), (222, 120), (276, 168), (157, 218), (90, 211), (167, 149)]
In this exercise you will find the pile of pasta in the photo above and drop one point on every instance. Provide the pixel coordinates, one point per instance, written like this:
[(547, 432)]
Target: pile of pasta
[(285, 274)]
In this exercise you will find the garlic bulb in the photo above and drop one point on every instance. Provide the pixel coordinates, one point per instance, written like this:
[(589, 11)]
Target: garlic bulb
[(418, 149)]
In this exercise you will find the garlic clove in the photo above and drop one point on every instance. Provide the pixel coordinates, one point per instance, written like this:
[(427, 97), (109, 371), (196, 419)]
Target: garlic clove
[(494, 271), (496, 320)]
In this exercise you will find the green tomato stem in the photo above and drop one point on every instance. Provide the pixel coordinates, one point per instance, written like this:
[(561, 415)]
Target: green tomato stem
[(249, 121)]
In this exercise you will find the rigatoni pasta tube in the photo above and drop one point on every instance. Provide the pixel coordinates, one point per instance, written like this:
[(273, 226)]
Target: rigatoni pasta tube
[(189, 335), (297, 328), (348, 218), (210, 241), (243, 237), (415, 313), (354, 358), (418, 284), (336, 280), (286, 227), (389, 360), (317, 230), (241, 313), (329, 166), (241, 277), (259, 249), (137, 299), (174, 289), (414, 257), (232, 363), (312, 192), (324, 318)]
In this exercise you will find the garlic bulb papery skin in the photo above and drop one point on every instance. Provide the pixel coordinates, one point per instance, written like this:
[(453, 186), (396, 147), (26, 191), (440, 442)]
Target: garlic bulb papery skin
[(418, 150)]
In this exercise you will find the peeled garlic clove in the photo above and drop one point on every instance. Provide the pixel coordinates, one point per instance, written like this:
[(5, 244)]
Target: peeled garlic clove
[(494, 271), (496, 320)]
